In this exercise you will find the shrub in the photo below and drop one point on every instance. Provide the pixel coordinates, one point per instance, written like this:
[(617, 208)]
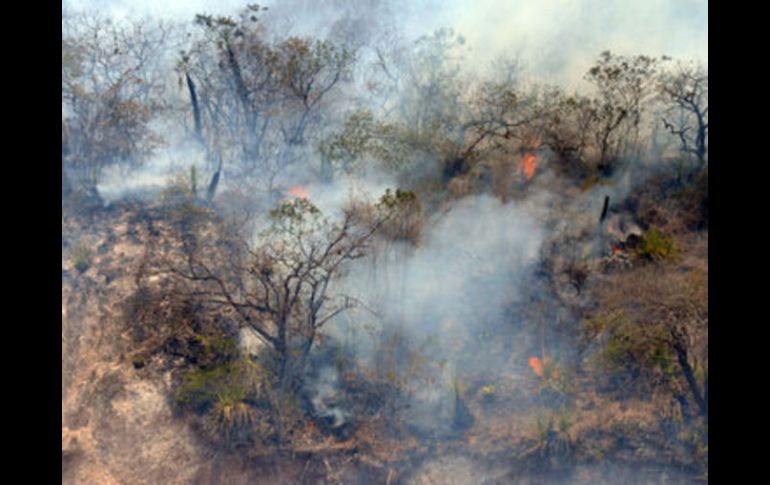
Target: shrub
[(236, 381), (694, 200), (559, 422), (181, 187), (231, 420), (82, 257), (407, 215), (656, 246), (652, 330), (488, 390), (215, 347), (638, 349), (553, 446), (138, 361)]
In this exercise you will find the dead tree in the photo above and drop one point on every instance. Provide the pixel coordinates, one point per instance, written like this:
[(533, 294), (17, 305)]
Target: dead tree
[(604, 209), (195, 108), (283, 288), (213, 184), (624, 85), (686, 94)]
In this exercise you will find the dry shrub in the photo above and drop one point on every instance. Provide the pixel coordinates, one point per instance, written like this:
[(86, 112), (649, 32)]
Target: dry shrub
[(694, 202), (82, 257), (460, 186), (671, 204), (405, 223), (644, 314), (657, 246), (502, 178)]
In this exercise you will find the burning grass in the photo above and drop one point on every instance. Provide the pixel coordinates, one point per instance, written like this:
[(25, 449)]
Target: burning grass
[(528, 165)]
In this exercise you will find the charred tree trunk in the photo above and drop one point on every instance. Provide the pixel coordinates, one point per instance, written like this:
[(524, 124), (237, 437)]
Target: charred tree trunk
[(195, 108), (604, 209), (700, 398), (213, 184), (250, 145), (700, 139), (462, 419), (283, 350), (454, 168)]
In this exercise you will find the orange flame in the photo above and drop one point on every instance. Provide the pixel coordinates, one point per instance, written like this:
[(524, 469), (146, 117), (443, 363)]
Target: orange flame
[(537, 366), (527, 165), (297, 192)]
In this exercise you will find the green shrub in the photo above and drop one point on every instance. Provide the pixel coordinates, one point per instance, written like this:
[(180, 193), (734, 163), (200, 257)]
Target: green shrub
[(235, 381), (231, 420), (552, 438), (656, 246), (82, 257), (215, 348), (638, 349), (177, 188), (189, 211), (556, 377), (564, 420), (139, 361), (183, 187)]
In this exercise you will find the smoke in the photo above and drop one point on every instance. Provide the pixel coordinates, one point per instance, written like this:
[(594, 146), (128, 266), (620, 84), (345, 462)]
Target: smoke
[(324, 395), (553, 42), (173, 159), (468, 266), (173, 10), (436, 314), (556, 40), (149, 180), (442, 300)]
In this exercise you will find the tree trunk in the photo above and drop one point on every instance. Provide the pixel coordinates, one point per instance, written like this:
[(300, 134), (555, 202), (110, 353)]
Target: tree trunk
[(700, 141), (195, 107), (689, 374)]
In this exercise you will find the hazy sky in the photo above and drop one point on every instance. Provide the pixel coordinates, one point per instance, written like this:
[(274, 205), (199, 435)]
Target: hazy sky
[(567, 35), (554, 38)]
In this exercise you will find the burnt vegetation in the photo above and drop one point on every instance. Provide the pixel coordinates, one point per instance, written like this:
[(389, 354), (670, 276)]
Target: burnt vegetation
[(292, 324)]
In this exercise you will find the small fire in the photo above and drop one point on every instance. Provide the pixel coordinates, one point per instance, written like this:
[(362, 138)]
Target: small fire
[(297, 192), (536, 365), (527, 165)]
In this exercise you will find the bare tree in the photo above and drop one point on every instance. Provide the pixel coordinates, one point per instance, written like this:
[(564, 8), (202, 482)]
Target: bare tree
[(229, 73), (431, 108), (567, 131), (283, 287), (308, 71), (685, 92), (112, 86), (624, 86), (259, 101)]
